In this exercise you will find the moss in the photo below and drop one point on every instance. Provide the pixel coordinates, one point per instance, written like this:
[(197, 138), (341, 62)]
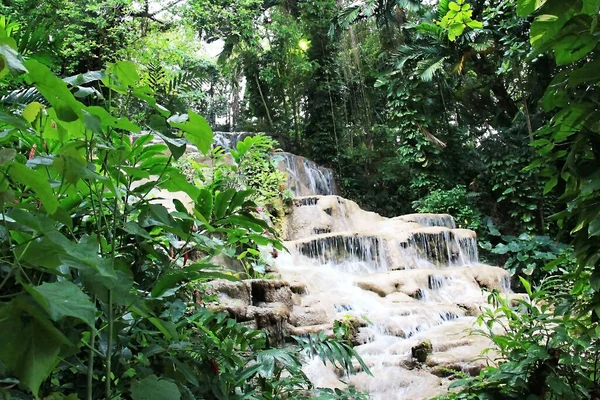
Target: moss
[(422, 351)]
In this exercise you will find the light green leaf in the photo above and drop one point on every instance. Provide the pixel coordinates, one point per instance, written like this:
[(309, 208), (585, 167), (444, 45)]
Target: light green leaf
[(196, 130), (122, 74), (32, 110)]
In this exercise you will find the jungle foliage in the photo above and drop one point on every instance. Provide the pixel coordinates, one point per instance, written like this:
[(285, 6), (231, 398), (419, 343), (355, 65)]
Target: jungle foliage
[(487, 110), (100, 282)]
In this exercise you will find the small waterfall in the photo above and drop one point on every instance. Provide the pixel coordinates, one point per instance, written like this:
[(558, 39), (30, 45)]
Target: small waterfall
[(306, 178), (406, 279)]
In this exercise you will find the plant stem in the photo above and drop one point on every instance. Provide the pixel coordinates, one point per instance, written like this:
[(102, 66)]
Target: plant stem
[(109, 344), (90, 368)]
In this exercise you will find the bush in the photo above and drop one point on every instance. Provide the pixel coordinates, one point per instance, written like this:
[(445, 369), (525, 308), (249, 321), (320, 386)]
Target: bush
[(457, 202)]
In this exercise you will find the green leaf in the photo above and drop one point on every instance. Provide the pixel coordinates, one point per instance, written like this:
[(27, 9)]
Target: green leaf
[(151, 388), (108, 120), (32, 110), (64, 299), (7, 155), (594, 227), (121, 75), (550, 184), (54, 90), (526, 285), (573, 47), (194, 272), (204, 204), (10, 60), (222, 203), (590, 7), (526, 7), (38, 182), (238, 199), (588, 73), (30, 345), (196, 130)]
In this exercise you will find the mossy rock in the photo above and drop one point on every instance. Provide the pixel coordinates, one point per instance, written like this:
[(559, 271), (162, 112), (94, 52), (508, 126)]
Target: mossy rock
[(422, 351)]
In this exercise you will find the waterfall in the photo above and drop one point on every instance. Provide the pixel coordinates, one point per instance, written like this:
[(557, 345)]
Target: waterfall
[(305, 177), (406, 279)]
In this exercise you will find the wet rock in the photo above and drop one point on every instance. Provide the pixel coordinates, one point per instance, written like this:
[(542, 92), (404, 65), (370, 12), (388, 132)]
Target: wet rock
[(422, 351), (308, 316)]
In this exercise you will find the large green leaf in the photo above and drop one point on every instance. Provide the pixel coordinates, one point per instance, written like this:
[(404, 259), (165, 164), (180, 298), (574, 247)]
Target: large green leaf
[(121, 75), (526, 7), (64, 299), (222, 203), (204, 204), (175, 181), (108, 120), (195, 129), (10, 61), (194, 272), (54, 90), (573, 47), (152, 388), (30, 346), (38, 182)]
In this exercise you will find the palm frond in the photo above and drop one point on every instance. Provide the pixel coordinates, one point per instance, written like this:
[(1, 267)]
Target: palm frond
[(443, 8), (429, 29), (25, 96), (410, 5), (355, 12), (426, 69), (337, 352)]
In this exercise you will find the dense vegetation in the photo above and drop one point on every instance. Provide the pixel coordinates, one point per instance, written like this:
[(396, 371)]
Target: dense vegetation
[(487, 110)]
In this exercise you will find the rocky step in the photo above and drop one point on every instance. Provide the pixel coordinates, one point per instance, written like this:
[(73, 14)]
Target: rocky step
[(417, 283)]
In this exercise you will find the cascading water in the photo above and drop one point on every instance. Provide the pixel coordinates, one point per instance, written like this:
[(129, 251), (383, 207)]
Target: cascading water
[(406, 280), (306, 177)]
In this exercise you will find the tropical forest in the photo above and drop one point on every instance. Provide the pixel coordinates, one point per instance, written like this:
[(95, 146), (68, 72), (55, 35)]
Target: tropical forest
[(299, 199)]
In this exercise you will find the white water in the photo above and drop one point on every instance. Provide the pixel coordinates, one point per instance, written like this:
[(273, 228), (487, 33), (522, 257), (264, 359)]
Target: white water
[(408, 279)]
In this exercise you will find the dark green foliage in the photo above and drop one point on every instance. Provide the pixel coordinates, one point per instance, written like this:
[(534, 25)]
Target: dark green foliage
[(546, 351), (457, 202)]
